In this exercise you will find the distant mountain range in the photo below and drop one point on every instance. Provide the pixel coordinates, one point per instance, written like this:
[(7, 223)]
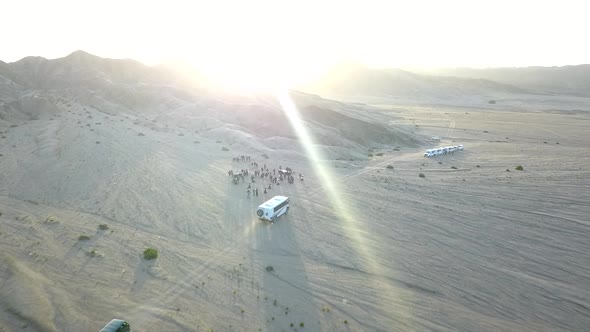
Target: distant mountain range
[(81, 69), (445, 84), (573, 80)]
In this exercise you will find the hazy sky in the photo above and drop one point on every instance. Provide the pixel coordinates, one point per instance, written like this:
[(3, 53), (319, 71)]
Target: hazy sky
[(295, 39)]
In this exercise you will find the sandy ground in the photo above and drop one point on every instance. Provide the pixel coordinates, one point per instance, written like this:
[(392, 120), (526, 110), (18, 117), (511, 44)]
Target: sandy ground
[(363, 247)]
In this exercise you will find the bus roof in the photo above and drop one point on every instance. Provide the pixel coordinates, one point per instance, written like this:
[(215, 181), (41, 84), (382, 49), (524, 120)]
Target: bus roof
[(114, 326), (274, 202)]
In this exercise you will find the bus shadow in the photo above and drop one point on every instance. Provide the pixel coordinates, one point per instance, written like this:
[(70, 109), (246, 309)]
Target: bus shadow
[(284, 290)]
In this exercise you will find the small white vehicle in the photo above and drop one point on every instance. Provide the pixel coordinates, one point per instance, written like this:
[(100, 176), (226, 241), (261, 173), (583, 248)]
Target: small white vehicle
[(273, 208)]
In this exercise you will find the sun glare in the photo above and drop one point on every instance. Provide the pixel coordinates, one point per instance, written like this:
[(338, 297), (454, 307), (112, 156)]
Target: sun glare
[(347, 219), (258, 73)]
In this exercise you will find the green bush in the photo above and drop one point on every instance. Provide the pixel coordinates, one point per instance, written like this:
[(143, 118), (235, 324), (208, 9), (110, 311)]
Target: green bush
[(83, 237), (380, 154), (422, 175), (389, 166), (453, 167), (519, 168), (370, 155), (150, 253), (301, 324), (103, 227)]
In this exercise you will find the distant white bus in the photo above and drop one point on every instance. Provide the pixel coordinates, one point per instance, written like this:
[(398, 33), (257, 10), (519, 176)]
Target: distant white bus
[(443, 150), (273, 208)]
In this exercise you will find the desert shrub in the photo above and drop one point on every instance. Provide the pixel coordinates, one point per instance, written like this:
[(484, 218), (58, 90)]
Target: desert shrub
[(150, 253), (48, 220), (345, 321), (217, 141), (103, 227), (291, 324), (92, 253), (224, 149), (485, 131), (422, 175), (389, 166), (519, 168), (181, 134), (491, 102), (270, 268), (83, 237), (370, 155), (477, 166), (453, 167), (440, 162), (380, 154), (265, 156), (301, 324), (507, 170), (140, 134)]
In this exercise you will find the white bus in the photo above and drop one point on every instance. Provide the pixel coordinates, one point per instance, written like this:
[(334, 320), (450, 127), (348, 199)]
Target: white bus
[(443, 150), (429, 153), (273, 208)]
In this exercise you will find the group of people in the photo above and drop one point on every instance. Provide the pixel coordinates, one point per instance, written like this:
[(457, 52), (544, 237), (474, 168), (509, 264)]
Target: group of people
[(254, 190), (237, 176), (261, 172), (242, 158)]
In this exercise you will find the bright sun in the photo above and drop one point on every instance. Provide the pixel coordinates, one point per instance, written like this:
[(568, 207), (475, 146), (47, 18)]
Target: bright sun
[(248, 76), (259, 72)]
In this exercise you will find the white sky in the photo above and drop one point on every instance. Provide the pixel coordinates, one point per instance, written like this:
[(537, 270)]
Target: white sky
[(295, 39)]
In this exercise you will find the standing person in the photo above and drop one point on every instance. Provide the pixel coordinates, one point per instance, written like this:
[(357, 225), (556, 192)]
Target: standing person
[(256, 192), (265, 190)]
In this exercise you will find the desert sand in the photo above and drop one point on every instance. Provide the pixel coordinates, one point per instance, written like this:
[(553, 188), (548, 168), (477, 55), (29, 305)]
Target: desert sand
[(474, 245)]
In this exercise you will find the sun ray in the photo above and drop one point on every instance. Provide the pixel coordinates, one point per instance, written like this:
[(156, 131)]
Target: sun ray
[(350, 224)]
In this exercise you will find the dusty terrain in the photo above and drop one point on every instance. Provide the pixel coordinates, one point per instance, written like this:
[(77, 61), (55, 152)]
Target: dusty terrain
[(470, 246)]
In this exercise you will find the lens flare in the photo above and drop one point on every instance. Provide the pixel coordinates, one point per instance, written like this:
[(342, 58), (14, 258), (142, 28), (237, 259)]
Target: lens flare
[(351, 225)]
